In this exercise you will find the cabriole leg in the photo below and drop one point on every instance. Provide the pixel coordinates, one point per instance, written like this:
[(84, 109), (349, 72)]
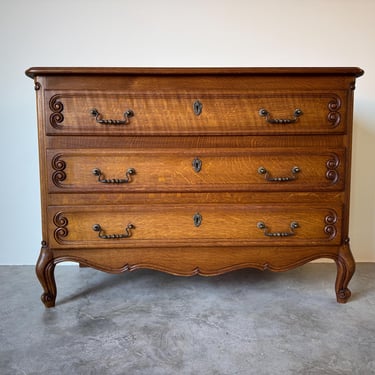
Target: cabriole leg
[(345, 270), (45, 268)]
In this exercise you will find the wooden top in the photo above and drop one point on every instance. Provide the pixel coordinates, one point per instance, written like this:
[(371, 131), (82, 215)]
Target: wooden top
[(44, 71)]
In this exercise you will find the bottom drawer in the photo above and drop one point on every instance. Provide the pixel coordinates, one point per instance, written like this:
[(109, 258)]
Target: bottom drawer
[(193, 225)]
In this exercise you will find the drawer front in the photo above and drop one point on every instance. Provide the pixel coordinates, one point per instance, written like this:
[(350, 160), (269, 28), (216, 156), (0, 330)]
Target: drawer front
[(194, 113), (187, 225), (195, 170)]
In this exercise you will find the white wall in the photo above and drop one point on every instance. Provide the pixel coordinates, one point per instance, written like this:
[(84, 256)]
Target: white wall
[(173, 33)]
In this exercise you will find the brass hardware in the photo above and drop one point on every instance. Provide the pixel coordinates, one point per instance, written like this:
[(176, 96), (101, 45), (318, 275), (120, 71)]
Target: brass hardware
[(197, 164), (197, 107), (128, 174), (127, 114), (197, 218), (264, 113), (103, 236), (267, 176), (293, 225)]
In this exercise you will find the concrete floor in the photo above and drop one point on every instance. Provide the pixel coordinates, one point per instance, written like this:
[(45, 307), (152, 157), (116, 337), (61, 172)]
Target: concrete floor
[(146, 322)]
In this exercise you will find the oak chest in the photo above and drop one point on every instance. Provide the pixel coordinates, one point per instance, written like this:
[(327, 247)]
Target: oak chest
[(194, 171)]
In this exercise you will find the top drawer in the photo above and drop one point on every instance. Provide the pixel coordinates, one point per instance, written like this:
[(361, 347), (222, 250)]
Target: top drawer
[(194, 113)]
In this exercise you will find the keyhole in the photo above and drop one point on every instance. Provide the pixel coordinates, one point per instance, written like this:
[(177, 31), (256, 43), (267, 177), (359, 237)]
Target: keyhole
[(197, 106), (197, 164), (197, 219)]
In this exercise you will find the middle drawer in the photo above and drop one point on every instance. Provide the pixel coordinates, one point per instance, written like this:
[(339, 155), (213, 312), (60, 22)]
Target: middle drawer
[(173, 170)]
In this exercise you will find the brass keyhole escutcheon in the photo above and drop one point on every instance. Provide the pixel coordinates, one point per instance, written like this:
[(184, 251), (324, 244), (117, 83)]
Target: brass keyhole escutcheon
[(197, 219), (197, 107), (197, 164)]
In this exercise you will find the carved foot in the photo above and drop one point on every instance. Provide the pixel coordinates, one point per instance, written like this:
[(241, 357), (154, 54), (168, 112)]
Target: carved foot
[(345, 270), (343, 295), (48, 299), (45, 268)]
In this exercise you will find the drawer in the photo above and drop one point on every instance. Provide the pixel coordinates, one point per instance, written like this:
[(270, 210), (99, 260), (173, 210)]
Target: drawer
[(181, 113), (141, 170), (193, 225)]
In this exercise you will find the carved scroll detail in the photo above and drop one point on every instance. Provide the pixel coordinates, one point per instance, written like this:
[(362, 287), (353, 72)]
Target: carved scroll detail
[(334, 116), (61, 223), (56, 118), (332, 164), (58, 166), (330, 225)]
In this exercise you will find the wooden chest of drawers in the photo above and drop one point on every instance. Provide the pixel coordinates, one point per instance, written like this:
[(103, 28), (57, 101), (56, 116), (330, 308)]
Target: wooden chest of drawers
[(194, 171)]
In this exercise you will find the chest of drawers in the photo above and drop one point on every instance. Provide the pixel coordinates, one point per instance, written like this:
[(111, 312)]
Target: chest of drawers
[(194, 171)]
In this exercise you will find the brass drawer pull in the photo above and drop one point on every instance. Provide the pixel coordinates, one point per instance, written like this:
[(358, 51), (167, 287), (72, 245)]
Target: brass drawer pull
[(103, 236), (293, 225), (267, 175), (264, 113), (128, 174), (98, 117)]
